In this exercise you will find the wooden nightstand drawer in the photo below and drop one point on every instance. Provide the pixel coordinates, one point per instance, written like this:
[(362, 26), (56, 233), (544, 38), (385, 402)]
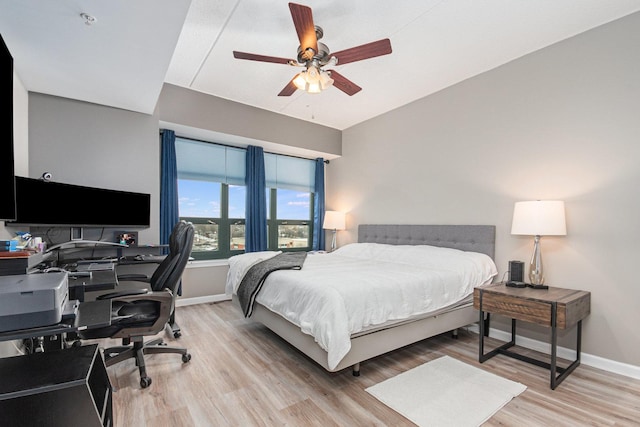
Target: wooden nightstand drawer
[(517, 308), (535, 305)]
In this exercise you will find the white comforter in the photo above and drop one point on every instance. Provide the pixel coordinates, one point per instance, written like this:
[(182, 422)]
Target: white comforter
[(364, 284)]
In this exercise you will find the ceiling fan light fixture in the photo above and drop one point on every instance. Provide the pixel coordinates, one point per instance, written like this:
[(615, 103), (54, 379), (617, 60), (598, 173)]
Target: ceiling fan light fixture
[(325, 80), (300, 81), (314, 87), (312, 80)]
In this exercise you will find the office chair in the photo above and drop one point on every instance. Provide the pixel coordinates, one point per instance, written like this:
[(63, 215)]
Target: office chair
[(140, 280), (138, 313)]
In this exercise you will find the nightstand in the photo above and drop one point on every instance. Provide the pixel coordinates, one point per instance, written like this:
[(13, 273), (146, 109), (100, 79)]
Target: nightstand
[(553, 307)]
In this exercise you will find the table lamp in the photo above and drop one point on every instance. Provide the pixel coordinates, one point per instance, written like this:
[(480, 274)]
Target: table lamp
[(538, 218), (334, 221)]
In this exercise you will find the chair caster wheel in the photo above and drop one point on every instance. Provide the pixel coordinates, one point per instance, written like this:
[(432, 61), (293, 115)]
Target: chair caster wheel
[(145, 382), (177, 334), (186, 357)]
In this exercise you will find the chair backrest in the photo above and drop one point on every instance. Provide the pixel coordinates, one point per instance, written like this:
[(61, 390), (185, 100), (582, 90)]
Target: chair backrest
[(169, 272)]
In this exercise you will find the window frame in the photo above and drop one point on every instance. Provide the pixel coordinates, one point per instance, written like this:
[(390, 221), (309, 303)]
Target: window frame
[(225, 223)]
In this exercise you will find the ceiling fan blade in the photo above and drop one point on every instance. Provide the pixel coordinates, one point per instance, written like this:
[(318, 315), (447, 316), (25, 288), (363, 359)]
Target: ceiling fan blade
[(261, 58), (303, 21), (365, 51), (289, 89), (344, 84)]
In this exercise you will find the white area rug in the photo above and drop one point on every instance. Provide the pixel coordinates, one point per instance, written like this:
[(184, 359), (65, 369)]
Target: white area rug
[(446, 392)]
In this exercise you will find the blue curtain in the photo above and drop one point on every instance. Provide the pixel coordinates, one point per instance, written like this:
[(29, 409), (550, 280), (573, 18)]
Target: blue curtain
[(169, 215), (318, 207), (256, 208)]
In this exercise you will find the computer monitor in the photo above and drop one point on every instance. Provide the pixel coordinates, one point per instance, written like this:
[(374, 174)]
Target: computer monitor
[(42, 203)]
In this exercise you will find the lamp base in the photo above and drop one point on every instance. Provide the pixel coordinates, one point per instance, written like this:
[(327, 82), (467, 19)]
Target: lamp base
[(536, 275), (333, 241)]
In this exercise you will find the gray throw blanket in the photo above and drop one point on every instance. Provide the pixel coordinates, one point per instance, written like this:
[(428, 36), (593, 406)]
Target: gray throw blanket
[(254, 279)]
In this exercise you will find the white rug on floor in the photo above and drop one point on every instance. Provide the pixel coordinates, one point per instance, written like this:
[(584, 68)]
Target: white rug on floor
[(446, 392)]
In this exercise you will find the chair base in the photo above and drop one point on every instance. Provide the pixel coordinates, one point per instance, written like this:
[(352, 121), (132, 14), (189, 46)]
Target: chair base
[(136, 350), (175, 328)]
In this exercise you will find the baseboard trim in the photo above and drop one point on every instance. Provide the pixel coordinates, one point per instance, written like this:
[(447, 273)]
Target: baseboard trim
[(566, 353), (182, 302)]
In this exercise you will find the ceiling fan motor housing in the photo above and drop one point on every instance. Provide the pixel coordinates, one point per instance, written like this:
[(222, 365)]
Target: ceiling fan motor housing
[(322, 56)]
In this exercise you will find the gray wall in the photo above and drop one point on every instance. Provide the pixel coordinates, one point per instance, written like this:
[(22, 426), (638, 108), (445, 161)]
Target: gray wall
[(94, 145), (202, 112), (561, 123)]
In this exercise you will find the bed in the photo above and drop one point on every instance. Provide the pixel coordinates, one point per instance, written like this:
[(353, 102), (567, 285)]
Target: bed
[(376, 335)]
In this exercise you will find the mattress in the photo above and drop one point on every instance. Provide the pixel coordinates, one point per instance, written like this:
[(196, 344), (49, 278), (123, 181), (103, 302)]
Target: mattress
[(365, 286)]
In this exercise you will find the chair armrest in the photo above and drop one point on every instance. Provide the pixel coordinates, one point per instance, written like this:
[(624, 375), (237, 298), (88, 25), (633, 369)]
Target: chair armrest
[(159, 296), (131, 292), (165, 298), (141, 259), (134, 277)]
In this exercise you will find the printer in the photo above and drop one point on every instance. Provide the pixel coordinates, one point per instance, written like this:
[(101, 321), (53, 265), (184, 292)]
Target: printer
[(32, 300)]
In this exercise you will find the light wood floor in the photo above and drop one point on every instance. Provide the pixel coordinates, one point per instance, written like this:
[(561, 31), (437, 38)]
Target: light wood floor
[(241, 374)]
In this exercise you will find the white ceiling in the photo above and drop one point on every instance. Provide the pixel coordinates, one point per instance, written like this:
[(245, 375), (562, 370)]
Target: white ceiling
[(123, 58)]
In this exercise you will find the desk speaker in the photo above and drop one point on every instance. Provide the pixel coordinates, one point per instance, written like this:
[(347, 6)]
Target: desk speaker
[(516, 271)]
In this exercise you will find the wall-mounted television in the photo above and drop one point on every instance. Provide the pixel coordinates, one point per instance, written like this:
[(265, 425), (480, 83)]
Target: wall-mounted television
[(7, 184), (48, 203)]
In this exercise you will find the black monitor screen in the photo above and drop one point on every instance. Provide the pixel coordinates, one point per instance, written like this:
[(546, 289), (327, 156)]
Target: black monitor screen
[(55, 204), (7, 188)]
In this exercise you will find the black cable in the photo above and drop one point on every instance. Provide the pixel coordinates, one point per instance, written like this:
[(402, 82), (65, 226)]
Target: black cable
[(503, 276)]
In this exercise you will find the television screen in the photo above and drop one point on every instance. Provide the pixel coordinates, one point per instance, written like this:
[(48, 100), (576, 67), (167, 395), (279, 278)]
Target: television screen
[(45, 203), (7, 185)]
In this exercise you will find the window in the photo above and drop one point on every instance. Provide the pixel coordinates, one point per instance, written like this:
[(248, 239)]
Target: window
[(291, 214), (212, 196), (290, 181)]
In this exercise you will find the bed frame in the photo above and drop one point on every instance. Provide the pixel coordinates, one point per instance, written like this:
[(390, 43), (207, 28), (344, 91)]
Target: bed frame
[(477, 238)]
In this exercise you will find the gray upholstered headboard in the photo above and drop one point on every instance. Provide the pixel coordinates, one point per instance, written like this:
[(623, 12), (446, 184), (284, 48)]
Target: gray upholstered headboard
[(476, 238)]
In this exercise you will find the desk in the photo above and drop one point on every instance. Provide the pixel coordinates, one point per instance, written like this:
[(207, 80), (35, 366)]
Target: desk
[(92, 314)]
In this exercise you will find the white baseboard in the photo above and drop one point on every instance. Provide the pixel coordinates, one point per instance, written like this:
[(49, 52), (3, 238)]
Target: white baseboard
[(565, 353), (181, 302)]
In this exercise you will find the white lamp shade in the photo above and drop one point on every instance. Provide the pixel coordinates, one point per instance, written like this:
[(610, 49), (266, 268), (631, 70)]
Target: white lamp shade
[(539, 218), (334, 220)]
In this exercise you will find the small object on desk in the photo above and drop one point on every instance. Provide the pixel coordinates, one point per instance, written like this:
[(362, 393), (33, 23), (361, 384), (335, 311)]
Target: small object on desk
[(516, 284), (129, 238), (8, 245)]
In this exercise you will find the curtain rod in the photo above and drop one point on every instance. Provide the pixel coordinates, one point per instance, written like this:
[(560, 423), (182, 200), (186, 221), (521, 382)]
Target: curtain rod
[(233, 146)]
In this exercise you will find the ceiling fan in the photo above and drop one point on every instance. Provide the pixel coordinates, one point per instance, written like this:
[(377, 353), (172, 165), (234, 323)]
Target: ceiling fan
[(314, 55)]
